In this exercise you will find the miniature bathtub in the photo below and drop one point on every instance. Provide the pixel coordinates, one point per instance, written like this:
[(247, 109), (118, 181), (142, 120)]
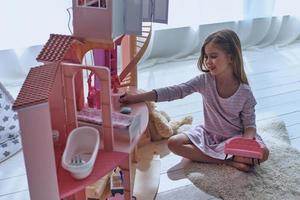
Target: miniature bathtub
[(81, 151)]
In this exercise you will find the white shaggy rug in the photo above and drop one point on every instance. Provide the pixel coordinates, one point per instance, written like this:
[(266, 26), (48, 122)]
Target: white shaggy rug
[(277, 178)]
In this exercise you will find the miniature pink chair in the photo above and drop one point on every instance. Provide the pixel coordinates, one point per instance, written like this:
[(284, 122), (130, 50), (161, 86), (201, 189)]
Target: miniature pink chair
[(239, 146)]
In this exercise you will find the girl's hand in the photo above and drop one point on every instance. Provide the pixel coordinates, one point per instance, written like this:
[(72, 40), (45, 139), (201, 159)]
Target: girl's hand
[(137, 98), (250, 133), (127, 99), (249, 136)]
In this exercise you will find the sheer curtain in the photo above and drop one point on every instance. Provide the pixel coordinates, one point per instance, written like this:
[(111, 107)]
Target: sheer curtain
[(25, 27), (28, 23), (257, 22)]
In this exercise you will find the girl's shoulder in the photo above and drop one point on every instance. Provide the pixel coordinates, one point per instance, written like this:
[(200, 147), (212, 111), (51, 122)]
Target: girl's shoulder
[(245, 88), (246, 91), (206, 77)]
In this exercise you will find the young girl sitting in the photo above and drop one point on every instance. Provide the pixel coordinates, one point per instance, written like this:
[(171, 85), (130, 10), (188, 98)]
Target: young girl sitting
[(228, 103)]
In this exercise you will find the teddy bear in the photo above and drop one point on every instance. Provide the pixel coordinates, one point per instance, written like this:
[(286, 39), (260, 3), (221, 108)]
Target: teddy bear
[(161, 126)]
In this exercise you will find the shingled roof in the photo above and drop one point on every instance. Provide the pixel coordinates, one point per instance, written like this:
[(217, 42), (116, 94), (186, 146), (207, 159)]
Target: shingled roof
[(37, 86), (56, 48)]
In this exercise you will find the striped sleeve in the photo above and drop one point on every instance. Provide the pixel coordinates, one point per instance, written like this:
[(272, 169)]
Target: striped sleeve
[(182, 90), (248, 112)]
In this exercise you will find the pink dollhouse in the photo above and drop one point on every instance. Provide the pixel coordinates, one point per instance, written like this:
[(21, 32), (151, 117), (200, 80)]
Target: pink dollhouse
[(52, 95)]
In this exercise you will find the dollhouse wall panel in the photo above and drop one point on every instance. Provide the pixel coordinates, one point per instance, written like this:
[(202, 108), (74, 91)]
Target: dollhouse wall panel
[(133, 17), (155, 11), (117, 18), (92, 23), (70, 101), (147, 10), (57, 111), (37, 142), (99, 57), (160, 12)]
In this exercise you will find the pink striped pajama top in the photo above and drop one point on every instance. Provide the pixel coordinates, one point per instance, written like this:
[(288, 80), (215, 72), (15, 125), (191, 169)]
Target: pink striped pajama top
[(223, 117)]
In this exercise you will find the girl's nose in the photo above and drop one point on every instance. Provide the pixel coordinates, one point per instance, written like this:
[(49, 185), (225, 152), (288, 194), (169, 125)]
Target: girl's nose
[(209, 61)]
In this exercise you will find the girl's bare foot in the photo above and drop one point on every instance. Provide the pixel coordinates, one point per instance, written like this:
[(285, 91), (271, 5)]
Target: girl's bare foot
[(240, 166)]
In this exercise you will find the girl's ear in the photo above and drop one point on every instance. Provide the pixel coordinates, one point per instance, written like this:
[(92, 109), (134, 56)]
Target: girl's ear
[(230, 58)]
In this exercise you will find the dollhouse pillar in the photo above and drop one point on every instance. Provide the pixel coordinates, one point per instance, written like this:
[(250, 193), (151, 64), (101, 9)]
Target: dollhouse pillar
[(128, 46), (35, 123)]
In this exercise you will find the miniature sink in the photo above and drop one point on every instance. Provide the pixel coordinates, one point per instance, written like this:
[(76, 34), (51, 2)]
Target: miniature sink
[(81, 151)]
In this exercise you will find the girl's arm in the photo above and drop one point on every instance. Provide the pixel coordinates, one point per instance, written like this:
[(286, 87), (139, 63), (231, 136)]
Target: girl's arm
[(137, 98), (250, 133)]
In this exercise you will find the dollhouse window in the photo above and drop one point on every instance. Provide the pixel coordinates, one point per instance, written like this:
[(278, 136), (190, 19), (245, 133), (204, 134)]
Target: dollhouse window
[(92, 3)]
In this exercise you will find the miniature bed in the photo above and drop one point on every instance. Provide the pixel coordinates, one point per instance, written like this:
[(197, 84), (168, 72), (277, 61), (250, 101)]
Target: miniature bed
[(10, 142)]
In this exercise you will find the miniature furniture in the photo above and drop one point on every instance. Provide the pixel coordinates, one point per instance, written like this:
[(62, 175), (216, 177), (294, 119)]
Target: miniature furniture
[(239, 146), (81, 151)]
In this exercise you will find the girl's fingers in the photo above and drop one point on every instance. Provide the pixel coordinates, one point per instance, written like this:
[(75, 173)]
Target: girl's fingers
[(123, 95)]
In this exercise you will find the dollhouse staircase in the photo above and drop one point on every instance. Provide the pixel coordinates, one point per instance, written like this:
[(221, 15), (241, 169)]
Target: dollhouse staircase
[(128, 75)]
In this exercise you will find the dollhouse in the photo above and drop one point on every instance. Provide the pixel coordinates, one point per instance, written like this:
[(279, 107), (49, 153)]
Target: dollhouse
[(52, 95)]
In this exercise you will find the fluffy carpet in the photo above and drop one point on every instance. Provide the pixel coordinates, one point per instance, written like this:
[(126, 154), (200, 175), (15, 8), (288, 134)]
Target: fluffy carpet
[(277, 178)]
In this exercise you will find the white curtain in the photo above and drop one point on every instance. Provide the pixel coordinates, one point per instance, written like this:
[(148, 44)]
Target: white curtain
[(28, 23), (258, 23), (24, 28)]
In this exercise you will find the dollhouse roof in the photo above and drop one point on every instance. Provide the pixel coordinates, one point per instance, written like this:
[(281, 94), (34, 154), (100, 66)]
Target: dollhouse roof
[(56, 48), (37, 86)]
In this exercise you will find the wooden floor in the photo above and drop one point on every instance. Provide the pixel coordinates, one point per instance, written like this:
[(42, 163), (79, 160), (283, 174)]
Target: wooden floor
[(274, 75)]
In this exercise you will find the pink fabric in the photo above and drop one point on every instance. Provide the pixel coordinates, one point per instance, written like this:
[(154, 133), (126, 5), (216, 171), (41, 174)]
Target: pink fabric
[(94, 115), (223, 117)]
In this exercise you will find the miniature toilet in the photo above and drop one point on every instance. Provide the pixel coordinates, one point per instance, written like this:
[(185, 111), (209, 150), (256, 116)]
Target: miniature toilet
[(81, 151)]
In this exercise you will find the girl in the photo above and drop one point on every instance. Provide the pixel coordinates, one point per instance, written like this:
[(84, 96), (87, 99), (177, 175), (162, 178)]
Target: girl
[(228, 103)]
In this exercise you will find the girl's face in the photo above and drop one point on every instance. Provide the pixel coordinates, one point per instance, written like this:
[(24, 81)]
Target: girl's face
[(217, 61)]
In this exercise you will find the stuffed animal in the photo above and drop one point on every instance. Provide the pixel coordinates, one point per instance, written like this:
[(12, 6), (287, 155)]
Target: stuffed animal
[(161, 126)]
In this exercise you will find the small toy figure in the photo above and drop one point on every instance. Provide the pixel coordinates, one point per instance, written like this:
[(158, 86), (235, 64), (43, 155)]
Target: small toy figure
[(93, 94), (116, 182)]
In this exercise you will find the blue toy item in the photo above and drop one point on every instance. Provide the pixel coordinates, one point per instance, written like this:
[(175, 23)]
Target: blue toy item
[(125, 110)]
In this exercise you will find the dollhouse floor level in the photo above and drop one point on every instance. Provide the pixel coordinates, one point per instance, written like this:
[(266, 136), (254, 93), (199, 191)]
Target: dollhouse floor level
[(105, 163)]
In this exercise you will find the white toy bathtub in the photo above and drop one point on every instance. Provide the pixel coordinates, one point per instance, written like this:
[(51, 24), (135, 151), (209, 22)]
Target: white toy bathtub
[(81, 151)]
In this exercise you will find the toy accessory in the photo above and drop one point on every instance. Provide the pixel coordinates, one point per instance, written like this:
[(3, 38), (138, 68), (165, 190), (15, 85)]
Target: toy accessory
[(81, 151), (239, 146), (125, 110)]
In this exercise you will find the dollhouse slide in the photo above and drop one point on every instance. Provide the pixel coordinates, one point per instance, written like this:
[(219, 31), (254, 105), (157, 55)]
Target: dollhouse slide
[(10, 141)]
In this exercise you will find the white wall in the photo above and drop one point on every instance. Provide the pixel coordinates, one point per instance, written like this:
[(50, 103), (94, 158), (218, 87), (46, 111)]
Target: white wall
[(27, 23)]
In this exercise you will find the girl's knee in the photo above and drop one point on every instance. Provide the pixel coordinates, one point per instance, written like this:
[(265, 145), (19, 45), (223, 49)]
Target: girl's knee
[(175, 142)]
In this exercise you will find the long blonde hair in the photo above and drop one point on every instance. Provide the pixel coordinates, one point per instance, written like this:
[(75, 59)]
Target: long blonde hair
[(228, 41)]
